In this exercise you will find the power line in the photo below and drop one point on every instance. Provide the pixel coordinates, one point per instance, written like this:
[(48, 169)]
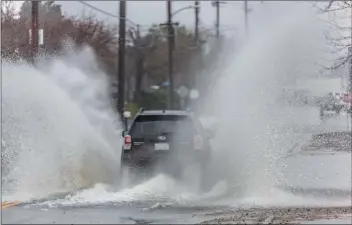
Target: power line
[(99, 10), (106, 13)]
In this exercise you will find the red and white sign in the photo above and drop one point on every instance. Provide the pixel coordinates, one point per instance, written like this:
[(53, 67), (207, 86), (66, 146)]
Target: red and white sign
[(347, 97)]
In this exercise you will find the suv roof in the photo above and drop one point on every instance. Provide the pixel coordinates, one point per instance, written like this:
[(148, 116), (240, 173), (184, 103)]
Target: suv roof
[(164, 112), (167, 113)]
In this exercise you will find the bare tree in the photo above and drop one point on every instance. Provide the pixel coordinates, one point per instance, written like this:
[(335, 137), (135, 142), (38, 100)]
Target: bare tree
[(10, 31), (7, 11), (340, 32)]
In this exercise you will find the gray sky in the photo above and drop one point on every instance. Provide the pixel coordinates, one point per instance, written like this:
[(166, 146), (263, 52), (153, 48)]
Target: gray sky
[(149, 12)]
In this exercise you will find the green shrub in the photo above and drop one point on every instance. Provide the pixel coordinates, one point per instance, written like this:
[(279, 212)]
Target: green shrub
[(132, 107), (157, 100), (154, 100)]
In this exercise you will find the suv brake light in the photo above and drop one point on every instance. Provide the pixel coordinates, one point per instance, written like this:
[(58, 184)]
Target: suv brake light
[(197, 142), (127, 142)]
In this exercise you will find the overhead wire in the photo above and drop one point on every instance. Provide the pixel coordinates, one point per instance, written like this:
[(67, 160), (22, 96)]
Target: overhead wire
[(117, 17), (109, 14)]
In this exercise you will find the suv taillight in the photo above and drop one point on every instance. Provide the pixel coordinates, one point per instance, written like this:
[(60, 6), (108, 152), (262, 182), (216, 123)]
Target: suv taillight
[(197, 142), (127, 142)]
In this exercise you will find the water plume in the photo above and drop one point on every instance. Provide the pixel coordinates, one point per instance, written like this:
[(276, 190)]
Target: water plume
[(254, 129), (60, 127)]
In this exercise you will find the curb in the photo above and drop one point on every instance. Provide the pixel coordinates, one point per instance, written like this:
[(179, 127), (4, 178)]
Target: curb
[(5, 205)]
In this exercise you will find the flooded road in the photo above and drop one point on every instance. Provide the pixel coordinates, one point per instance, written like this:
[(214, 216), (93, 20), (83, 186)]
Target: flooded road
[(272, 163), (315, 186)]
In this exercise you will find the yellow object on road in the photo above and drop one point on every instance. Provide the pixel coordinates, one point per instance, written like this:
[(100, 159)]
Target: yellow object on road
[(5, 205)]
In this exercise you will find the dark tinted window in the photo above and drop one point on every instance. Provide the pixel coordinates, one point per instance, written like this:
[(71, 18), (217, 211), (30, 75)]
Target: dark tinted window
[(156, 125)]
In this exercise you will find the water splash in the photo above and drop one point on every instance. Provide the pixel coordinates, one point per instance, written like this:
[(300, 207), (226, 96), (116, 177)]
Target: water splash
[(60, 128), (74, 136), (254, 130)]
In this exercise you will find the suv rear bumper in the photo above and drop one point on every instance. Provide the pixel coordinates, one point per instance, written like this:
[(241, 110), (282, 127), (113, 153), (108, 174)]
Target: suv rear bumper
[(163, 158)]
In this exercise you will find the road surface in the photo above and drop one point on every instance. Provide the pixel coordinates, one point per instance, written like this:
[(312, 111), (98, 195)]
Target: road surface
[(316, 188)]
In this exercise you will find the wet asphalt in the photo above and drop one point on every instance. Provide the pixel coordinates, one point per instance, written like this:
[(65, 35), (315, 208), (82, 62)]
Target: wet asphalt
[(326, 174)]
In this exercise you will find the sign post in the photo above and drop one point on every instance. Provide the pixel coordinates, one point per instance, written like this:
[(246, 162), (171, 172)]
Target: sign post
[(183, 93), (194, 94)]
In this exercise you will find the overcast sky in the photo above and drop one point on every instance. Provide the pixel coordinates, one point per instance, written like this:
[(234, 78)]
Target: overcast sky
[(147, 13), (150, 12)]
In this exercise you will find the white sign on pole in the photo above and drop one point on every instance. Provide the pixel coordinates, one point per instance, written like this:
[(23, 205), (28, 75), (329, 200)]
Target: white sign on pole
[(40, 36), (30, 36), (194, 94), (182, 91)]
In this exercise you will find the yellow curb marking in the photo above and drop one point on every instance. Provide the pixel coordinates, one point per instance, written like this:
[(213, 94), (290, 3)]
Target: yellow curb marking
[(5, 205)]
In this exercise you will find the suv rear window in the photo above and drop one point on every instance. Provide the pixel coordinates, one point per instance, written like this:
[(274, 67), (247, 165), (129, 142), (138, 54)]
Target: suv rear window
[(156, 125)]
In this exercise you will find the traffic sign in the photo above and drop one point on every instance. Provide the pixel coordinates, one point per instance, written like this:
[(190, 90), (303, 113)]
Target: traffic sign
[(182, 91), (194, 94)]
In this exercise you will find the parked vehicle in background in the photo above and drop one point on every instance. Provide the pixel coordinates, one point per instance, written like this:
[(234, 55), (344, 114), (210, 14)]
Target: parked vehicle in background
[(330, 104), (347, 100)]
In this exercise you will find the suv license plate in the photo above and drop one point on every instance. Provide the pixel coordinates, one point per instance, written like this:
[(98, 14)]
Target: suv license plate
[(162, 146)]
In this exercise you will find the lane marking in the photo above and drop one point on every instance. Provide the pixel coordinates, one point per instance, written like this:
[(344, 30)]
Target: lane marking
[(5, 205)]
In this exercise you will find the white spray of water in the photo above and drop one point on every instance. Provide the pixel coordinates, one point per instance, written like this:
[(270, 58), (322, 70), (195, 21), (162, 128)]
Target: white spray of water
[(247, 145), (253, 133), (59, 126)]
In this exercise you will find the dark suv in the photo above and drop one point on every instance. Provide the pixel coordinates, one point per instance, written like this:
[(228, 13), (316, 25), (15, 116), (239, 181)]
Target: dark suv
[(167, 140)]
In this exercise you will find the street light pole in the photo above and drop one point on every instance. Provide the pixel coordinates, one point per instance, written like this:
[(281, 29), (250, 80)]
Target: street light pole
[(196, 23), (195, 77), (216, 4), (171, 45), (121, 59)]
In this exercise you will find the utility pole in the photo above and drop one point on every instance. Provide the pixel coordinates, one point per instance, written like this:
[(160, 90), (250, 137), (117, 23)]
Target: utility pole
[(171, 45), (217, 24), (216, 4), (196, 23), (246, 11), (121, 59), (196, 36), (198, 62), (34, 30), (171, 41)]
